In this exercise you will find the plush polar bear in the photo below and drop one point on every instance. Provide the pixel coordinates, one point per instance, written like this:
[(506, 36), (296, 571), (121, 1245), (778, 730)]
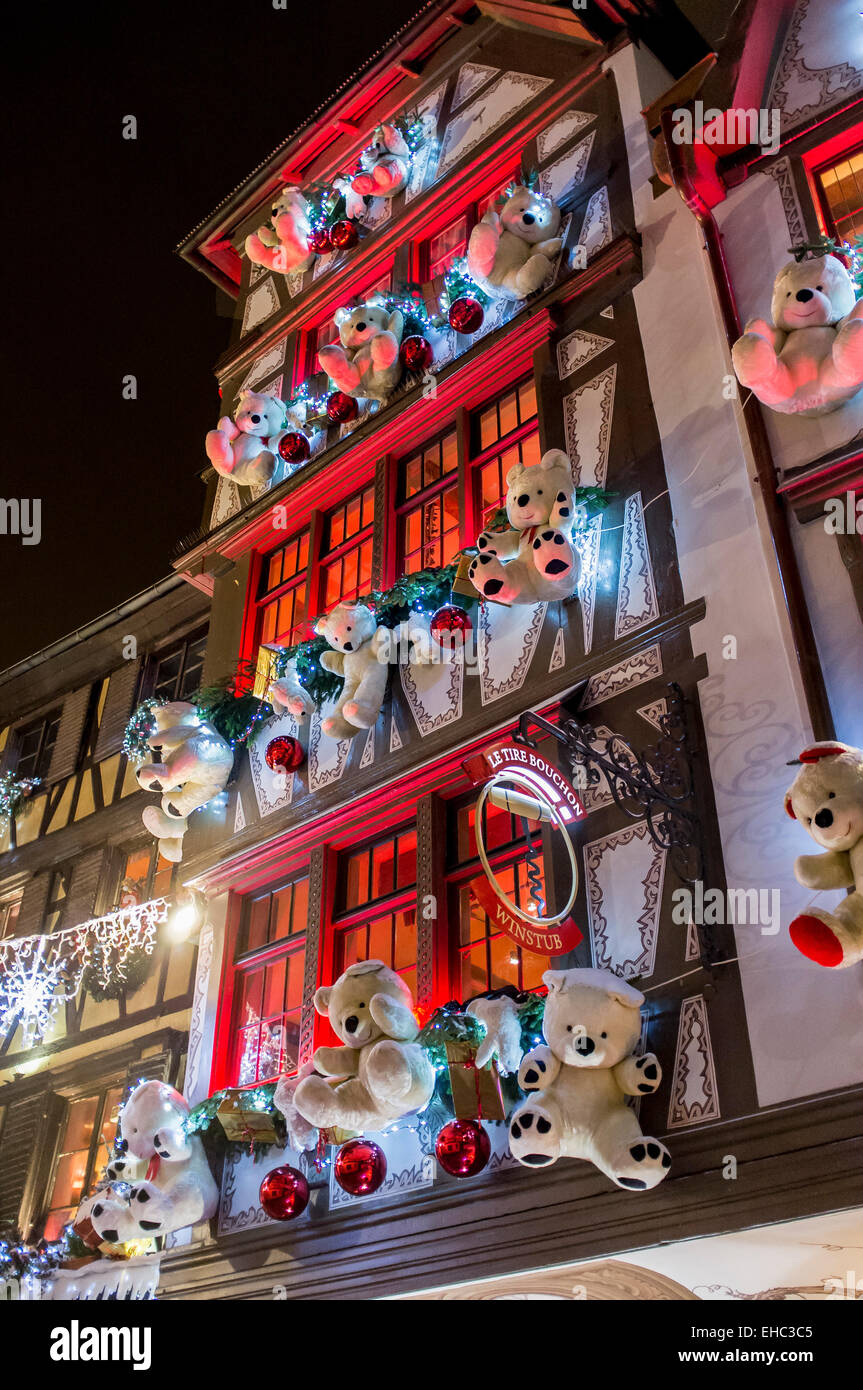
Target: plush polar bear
[(285, 245), (535, 559), (179, 1189), (577, 1085), (385, 165), (288, 695), (510, 252), (245, 448), (810, 360), (196, 763), (365, 362), (355, 203), (371, 1009), (302, 1136), (502, 1041), (826, 797), (360, 650)]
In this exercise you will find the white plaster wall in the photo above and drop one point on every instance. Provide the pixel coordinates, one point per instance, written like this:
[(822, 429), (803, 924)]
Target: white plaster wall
[(753, 710)]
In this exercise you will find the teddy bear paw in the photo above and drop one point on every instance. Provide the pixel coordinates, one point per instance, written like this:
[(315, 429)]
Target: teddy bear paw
[(754, 359), (642, 1164), (363, 184), (532, 275), (535, 1068), (534, 1138), (487, 576), (315, 1101), (388, 1070), (825, 940), (648, 1073), (149, 1208), (552, 554), (110, 1220), (485, 543)]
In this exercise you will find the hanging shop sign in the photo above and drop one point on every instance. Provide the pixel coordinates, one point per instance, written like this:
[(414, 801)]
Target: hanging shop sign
[(517, 778)]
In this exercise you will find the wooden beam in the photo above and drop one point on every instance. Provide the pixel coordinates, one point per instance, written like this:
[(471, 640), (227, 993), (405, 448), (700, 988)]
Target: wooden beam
[(528, 14)]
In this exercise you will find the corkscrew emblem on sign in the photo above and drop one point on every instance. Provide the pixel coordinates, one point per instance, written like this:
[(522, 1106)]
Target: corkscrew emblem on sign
[(516, 778)]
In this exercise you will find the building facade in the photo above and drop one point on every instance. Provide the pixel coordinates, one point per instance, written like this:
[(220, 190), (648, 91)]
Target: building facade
[(714, 634)]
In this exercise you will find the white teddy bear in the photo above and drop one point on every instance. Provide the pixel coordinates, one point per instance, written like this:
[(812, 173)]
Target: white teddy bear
[(179, 1189), (245, 448), (302, 1136), (365, 362), (355, 203), (502, 1041), (385, 165), (826, 797), (809, 361), (195, 765), (578, 1084), (510, 252), (535, 559), (371, 1009), (287, 695), (359, 653), (285, 245)]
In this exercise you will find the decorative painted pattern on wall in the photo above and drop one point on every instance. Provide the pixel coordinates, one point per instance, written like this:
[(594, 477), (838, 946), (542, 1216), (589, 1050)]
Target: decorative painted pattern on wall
[(694, 1096), (624, 874)]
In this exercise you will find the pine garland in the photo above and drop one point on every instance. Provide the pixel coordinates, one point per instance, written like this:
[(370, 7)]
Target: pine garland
[(103, 978), (13, 794), (139, 728), (851, 253), (459, 284)]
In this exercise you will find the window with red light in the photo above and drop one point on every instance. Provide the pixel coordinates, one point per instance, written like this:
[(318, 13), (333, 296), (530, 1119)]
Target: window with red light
[(346, 569), (436, 255), (284, 592), (503, 433), (268, 982), (325, 332), (482, 956), (429, 524), (375, 911), (839, 185), (84, 1149)]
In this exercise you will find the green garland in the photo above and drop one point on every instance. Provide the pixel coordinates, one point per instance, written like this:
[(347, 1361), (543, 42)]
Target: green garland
[(13, 794), (102, 979), (851, 251), (139, 728), (459, 284)]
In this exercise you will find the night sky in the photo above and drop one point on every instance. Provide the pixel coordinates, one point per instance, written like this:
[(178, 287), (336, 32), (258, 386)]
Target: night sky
[(93, 287)]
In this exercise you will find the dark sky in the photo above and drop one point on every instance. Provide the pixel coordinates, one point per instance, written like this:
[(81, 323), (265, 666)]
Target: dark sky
[(93, 289)]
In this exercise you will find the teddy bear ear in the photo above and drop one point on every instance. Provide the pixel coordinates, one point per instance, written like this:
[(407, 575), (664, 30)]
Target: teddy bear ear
[(322, 999), (321, 627), (517, 471), (555, 458), (366, 967), (342, 315), (555, 980), (626, 994), (788, 807)]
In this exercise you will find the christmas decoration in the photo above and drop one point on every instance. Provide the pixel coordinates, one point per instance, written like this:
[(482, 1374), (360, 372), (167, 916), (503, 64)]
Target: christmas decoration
[(354, 204), (371, 1010), (195, 765), (462, 1148), (301, 1135), (416, 354), (384, 164), (826, 797), (14, 792), (354, 639), (136, 739), (286, 693), (319, 241), (284, 1193), (179, 1190), (535, 559), (294, 447), (18, 1260), (850, 253), (284, 752), (244, 448), (510, 252), (809, 361), (498, 1011), (344, 235), (283, 245), (341, 408), (450, 625), (365, 360), (466, 315), (576, 1084), (246, 1116), (112, 976), (39, 973), (360, 1167), (474, 1090)]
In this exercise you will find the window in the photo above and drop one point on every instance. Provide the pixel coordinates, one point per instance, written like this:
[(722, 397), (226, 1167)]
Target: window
[(9, 917), (145, 870), (269, 982), (437, 254), (839, 185), (446, 246), (58, 891), (375, 915), (296, 585), (432, 526), (35, 746), (484, 957), (85, 1147), (306, 360), (177, 673)]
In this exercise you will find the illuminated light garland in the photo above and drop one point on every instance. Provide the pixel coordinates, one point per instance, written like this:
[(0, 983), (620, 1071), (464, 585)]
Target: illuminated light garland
[(14, 792), (39, 973)]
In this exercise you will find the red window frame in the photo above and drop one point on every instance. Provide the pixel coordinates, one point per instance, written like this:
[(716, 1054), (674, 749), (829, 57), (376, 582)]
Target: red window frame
[(430, 269), (325, 331), (365, 921), (825, 156)]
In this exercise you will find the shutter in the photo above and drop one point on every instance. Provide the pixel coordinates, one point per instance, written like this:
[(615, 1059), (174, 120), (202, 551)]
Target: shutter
[(117, 708), (33, 904), (64, 758), (86, 873), (18, 1146)]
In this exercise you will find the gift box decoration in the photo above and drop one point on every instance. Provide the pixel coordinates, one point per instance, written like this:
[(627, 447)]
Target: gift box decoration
[(475, 1090), (243, 1122)]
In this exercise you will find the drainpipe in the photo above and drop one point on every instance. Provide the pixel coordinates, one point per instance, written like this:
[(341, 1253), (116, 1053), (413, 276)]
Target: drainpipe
[(803, 637)]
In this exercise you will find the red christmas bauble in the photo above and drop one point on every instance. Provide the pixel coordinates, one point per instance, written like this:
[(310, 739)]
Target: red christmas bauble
[(319, 241), (284, 752), (462, 1148), (360, 1167), (284, 1193), (341, 408), (415, 353), (465, 314), (294, 447), (344, 235), (450, 625)]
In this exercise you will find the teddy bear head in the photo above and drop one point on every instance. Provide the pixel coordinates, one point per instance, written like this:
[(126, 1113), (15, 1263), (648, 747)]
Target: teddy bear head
[(812, 293), (529, 216), (152, 1123), (386, 140), (259, 415), (357, 326), (346, 1003), (591, 1017), (347, 627), (533, 490), (826, 796), (289, 202)]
